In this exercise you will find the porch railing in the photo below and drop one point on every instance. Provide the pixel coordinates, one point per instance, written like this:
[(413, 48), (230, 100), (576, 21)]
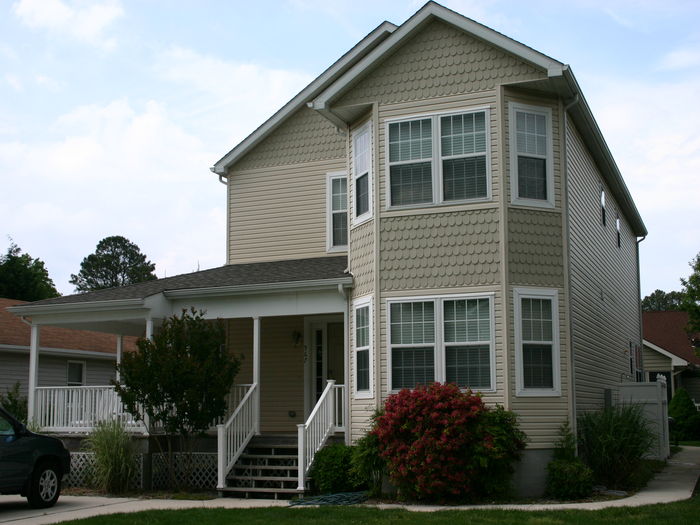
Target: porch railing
[(80, 408), (326, 418), (234, 435)]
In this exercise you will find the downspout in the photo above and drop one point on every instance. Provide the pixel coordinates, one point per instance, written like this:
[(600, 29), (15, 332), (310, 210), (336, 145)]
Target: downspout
[(639, 300), (567, 239), (224, 175)]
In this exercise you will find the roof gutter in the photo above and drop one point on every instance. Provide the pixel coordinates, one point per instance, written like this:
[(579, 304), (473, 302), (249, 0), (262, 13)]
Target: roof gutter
[(249, 289), (87, 306)]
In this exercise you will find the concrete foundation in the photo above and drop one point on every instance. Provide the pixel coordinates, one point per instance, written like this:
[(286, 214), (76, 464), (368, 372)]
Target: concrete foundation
[(530, 476)]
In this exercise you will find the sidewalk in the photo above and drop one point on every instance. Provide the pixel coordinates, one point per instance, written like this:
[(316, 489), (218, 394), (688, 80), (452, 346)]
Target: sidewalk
[(676, 482)]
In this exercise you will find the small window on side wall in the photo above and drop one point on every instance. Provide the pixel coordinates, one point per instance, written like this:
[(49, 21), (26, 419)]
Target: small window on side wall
[(531, 166), (337, 212), (602, 204), (362, 174), (617, 227), (75, 373)]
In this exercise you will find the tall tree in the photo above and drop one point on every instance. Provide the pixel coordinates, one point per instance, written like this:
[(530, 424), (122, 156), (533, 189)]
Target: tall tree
[(660, 301), (116, 262), (23, 277), (691, 295)]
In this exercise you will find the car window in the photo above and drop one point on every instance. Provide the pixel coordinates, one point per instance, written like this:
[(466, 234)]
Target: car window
[(6, 428)]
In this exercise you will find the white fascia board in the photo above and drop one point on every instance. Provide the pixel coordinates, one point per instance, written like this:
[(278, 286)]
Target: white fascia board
[(675, 360), (83, 306), (61, 352), (431, 9), (252, 289), (300, 99)]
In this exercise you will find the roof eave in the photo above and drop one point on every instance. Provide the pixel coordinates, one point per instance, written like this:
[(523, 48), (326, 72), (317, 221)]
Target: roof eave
[(87, 306), (247, 289)]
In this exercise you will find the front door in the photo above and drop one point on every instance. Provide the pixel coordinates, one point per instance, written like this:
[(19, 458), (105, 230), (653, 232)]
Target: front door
[(326, 356)]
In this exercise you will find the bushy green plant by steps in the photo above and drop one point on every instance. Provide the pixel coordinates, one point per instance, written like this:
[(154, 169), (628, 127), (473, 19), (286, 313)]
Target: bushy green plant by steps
[(115, 458), (613, 443), (367, 466), (330, 471), (686, 418), (14, 402), (567, 476)]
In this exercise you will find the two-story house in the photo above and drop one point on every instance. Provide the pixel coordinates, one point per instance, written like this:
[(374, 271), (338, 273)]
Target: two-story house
[(438, 205)]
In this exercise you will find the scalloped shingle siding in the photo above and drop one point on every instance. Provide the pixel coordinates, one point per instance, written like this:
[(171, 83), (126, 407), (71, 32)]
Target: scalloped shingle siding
[(535, 251)]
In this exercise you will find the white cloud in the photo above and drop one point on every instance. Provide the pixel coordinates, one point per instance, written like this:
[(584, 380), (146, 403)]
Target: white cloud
[(682, 58), (14, 82), (47, 82), (86, 23)]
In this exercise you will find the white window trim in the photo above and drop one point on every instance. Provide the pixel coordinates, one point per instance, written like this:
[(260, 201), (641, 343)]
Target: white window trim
[(440, 371), (84, 365), (436, 162), (357, 304), (330, 177), (514, 107), (356, 220), (537, 293)]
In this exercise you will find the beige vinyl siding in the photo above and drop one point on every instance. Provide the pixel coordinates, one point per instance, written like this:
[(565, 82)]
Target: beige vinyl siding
[(279, 213), (304, 137), (656, 362), (604, 294), (53, 371), (518, 97), (440, 60), (491, 398), (439, 250), (281, 369), (541, 417)]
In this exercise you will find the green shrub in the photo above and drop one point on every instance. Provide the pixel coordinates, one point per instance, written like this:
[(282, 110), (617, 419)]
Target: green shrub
[(686, 419), (567, 476), (14, 403), (331, 469), (115, 460), (613, 443), (367, 466)]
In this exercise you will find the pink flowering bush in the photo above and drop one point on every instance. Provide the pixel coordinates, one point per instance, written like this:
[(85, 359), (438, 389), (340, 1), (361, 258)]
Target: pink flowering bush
[(440, 443)]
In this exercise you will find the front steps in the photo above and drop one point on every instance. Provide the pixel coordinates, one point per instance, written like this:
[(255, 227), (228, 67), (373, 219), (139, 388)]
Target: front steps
[(266, 469)]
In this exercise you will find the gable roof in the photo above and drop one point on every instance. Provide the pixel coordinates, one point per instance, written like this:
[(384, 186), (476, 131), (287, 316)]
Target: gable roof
[(15, 334), (667, 330), (250, 276)]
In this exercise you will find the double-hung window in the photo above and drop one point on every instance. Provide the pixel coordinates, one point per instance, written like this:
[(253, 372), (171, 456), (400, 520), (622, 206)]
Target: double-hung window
[(337, 207), (447, 339), (75, 373), (532, 176), (363, 348), (438, 159), (362, 173), (537, 342)]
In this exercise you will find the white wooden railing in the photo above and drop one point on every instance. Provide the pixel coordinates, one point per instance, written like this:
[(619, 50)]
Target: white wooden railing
[(79, 409), (234, 435), (325, 419)]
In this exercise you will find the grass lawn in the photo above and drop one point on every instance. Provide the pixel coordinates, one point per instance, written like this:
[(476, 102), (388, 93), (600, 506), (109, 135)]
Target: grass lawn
[(685, 512)]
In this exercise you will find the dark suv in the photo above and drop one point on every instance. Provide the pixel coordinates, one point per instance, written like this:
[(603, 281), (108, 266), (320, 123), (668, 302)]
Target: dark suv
[(30, 464)]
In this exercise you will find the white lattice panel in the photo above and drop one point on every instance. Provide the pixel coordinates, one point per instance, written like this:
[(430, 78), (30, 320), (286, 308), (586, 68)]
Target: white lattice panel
[(203, 473), (82, 468)]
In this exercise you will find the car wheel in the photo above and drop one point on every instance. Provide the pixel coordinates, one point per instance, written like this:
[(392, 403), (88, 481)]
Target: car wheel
[(45, 486)]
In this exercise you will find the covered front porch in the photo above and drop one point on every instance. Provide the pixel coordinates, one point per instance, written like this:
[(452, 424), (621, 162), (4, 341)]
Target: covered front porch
[(287, 320)]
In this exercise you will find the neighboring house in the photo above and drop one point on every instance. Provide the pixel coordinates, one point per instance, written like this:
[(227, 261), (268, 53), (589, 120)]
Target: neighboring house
[(68, 357), (670, 351), (438, 205)]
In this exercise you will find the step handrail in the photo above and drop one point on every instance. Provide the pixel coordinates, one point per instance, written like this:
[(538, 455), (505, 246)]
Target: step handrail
[(234, 435)]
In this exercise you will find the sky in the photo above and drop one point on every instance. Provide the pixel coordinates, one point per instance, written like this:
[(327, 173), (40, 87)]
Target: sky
[(112, 111)]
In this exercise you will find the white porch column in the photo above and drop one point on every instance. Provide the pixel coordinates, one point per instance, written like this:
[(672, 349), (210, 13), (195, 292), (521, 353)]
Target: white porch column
[(149, 328), (33, 368), (120, 343), (256, 369)]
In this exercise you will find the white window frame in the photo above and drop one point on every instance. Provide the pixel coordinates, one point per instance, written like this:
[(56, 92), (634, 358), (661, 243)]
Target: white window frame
[(363, 302), (513, 108), (355, 219), (436, 160), (536, 293), (330, 177), (439, 356), (83, 364)]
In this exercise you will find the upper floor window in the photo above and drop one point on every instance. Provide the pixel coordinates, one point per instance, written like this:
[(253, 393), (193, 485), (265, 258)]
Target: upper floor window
[(337, 212), (532, 175), (362, 173), (448, 339), (438, 159), (537, 342)]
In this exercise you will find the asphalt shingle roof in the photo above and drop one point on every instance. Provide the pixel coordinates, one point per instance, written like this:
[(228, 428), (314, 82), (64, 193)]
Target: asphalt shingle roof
[(296, 270), (668, 330)]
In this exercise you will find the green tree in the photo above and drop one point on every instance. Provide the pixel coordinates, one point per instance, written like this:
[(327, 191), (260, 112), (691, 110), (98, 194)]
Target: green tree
[(660, 301), (177, 382), (116, 262), (691, 296), (23, 277)]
